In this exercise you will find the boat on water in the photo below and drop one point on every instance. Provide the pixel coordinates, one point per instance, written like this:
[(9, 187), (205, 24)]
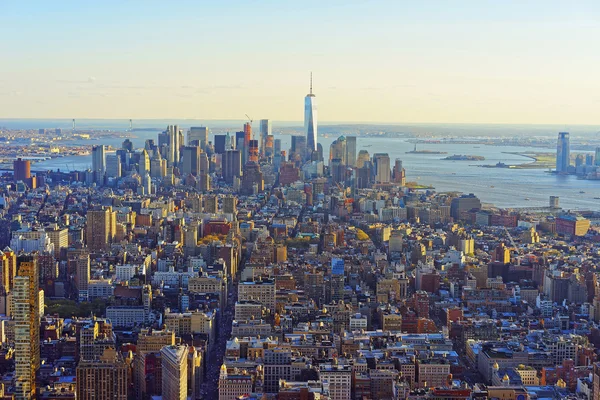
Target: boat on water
[(527, 198), (492, 186), (581, 191), (596, 198)]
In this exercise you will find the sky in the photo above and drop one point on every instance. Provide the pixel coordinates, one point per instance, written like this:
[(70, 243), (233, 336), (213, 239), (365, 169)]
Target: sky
[(469, 61)]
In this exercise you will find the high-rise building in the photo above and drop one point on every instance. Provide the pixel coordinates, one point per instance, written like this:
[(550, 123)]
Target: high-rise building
[(98, 162), (382, 167), (269, 146), (82, 280), (299, 147), (26, 312), (104, 377), (231, 165), (174, 136), (100, 228), (310, 119), (149, 341), (144, 164), (113, 166), (230, 204), (399, 174), (362, 157), (265, 130), (563, 152), (252, 180), (247, 133), (597, 157), (174, 372), (198, 136), (338, 151), (9, 268), (22, 170), (351, 151), (191, 160), (220, 144), (253, 151)]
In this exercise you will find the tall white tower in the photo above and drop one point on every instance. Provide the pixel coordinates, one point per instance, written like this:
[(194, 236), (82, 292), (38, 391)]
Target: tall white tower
[(310, 119)]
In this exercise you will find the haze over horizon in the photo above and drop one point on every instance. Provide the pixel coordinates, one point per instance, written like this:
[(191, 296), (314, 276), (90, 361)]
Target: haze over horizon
[(380, 62)]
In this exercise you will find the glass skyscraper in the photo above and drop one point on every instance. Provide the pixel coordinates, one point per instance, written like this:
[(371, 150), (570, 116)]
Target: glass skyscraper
[(563, 152), (310, 120)]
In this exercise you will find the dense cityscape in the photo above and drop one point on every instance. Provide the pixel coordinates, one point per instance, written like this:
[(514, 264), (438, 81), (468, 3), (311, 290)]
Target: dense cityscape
[(226, 267)]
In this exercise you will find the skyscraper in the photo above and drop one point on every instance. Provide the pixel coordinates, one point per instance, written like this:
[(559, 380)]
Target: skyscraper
[(338, 151), (351, 151), (310, 119), (220, 143), (231, 165), (198, 136), (104, 377), (98, 162), (26, 311), (253, 151), (563, 152), (265, 130), (597, 157), (382, 167), (144, 164), (247, 133), (100, 228), (174, 372), (22, 170), (173, 134), (190, 160), (113, 166)]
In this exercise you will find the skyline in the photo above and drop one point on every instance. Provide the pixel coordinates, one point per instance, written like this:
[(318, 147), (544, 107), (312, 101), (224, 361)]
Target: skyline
[(372, 62)]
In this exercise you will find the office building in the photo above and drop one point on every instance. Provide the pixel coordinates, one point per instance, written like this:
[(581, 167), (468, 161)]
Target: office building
[(310, 119), (22, 170), (253, 151), (144, 164), (462, 204), (100, 228), (104, 377), (174, 372), (563, 153), (82, 278), (337, 150), (252, 180), (231, 165), (269, 146), (198, 136), (399, 174), (190, 160), (99, 163), (265, 130), (339, 378), (261, 291), (351, 151), (113, 166), (247, 134), (149, 342), (173, 136), (230, 204), (299, 148), (220, 144), (26, 312), (233, 386), (382, 167), (363, 156)]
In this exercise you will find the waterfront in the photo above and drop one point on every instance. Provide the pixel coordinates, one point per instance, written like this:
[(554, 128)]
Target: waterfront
[(500, 186)]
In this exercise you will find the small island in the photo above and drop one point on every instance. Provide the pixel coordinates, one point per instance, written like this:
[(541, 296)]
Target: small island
[(415, 151), (460, 157), (426, 152)]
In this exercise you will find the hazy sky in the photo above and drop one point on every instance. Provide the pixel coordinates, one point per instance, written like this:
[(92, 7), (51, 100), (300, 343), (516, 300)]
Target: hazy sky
[(382, 61)]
